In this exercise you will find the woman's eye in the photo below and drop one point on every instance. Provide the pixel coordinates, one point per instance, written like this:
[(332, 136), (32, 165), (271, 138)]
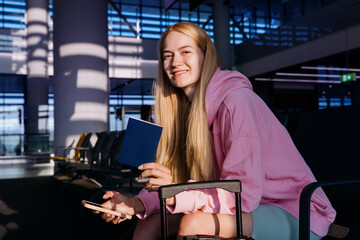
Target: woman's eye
[(168, 56)]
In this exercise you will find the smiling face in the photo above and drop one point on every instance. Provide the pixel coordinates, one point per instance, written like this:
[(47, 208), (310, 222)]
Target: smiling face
[(182, 62)]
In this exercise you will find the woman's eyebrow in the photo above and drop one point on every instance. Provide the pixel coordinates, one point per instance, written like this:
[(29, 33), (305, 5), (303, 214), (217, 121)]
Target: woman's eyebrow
[(186, 46), (167, 51)]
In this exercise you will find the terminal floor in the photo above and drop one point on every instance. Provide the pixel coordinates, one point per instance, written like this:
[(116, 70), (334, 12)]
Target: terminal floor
[(35, 205)]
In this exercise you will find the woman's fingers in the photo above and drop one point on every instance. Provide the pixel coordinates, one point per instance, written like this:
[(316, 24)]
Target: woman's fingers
[(118, 220), (156, 170), (154, 166), (108, 217), (154, 183), (112, 199), (112, 218), (108, 194), (156, 173), (120, 203)]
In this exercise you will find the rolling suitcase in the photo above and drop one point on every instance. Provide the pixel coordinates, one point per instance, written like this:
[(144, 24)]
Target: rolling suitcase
[(229, 185)]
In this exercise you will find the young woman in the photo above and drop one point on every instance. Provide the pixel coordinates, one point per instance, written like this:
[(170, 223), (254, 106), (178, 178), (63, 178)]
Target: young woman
[(216, 127)]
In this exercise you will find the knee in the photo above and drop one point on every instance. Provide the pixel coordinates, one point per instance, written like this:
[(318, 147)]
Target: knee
[(188, 224), (192, 224)]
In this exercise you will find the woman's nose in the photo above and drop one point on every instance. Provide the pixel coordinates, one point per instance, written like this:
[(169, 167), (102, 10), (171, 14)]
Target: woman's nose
[(177, 60)]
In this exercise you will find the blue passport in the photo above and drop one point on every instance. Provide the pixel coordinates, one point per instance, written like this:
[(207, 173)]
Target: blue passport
[(140, 142)]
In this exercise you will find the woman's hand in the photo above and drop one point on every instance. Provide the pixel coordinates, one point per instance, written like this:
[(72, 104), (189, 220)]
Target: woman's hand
[(158, 175), (119, 202)]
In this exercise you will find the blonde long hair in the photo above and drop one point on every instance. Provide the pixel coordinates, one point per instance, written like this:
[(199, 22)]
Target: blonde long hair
[(185, 146)]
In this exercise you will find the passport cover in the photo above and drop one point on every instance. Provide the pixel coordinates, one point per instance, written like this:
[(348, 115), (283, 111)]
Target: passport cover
[(140, 142)]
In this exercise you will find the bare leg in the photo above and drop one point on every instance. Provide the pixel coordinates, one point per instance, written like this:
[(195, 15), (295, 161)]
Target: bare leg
[(213, 224), (150, 228)]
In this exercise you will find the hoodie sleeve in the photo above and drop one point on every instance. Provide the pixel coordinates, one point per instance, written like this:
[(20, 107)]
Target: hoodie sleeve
[(240, 144), (238, 140), (151, 203)]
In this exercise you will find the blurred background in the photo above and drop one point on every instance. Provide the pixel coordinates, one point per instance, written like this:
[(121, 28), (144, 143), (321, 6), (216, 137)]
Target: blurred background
[(293, 51)]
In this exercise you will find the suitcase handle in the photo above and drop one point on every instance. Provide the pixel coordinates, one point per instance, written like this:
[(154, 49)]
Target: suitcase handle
[(168, 191)]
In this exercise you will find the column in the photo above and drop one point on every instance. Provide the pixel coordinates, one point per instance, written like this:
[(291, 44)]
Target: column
[(81, 82), (222, 32), (37, 82)]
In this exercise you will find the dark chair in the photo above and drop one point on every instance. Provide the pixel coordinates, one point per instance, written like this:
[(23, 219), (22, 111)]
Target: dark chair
[(328, 141), (114, 152), (102, 171), (93, 154), (79, 155), (117, 168), (114, 172), (67, 149), (103, 156), (108, 165), (85, 145), (335, 231)]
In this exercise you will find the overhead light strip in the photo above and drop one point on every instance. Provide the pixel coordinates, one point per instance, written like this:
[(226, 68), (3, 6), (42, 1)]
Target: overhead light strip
[(307, 75), (310, 75), (332, 68), (296, 80)]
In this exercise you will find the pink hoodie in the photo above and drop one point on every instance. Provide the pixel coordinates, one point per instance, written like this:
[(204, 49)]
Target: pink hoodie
[(250, 145)]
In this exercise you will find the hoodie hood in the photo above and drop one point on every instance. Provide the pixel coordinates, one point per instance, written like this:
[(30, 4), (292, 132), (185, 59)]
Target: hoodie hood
[(221, 84)]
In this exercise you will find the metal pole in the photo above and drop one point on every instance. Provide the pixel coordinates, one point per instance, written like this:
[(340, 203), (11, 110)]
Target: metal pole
[(164, 227)]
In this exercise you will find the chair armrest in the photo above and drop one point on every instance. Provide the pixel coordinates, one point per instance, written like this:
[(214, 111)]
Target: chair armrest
[(59, 147), (305, 197), (79, 148)]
